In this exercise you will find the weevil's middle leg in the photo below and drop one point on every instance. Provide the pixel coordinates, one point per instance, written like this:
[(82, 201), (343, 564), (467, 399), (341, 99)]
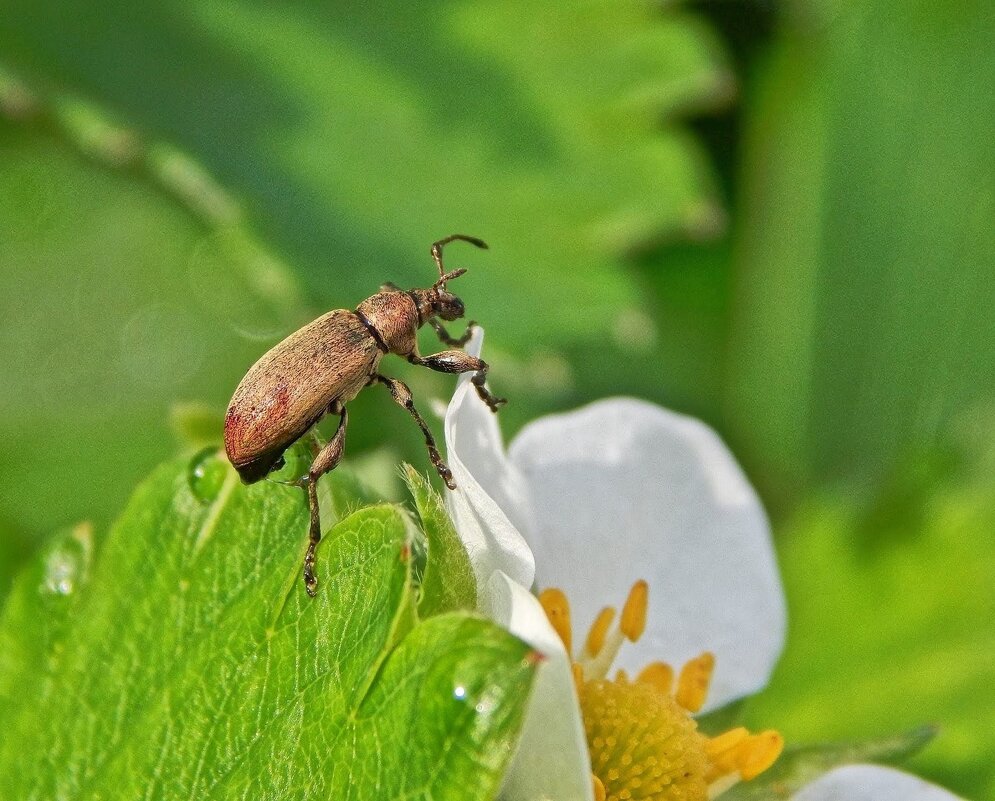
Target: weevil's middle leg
[(402, 397), (447, 339), (326, 460)]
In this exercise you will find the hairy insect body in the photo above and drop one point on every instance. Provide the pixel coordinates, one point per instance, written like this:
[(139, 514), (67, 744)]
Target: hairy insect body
[(393, 317), (324, 365), (288, 390)]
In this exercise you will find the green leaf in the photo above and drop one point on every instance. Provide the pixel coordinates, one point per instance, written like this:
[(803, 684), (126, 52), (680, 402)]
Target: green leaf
[(340, 493), (14, 548), (40, 600), (799, 765), (122, 289), (349, 141), (448, 582), (884, 639), (722, 719), (187, 660), (197, 424), (865, 259), (357, 138)]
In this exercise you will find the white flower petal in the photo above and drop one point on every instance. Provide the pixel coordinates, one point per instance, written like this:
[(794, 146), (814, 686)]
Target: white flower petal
[(622, 490), (490, 502), (871, 783), (552, 762)]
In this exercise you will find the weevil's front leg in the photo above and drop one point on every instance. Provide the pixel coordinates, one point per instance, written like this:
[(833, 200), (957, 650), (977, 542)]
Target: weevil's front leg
[(447, 339), (456, 361), (402, 397), (324, 462)]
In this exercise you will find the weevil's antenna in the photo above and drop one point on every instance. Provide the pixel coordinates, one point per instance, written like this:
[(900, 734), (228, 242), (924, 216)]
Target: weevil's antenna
[(441, 283), (437, 256)]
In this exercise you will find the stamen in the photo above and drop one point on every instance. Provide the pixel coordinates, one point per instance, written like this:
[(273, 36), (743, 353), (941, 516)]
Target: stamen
[(723, 752), (578, 674), (596, 636), (633, 621), (737, 755), (557, 608), (761, 751), (658, 674), (631, 625), (692, 684), (721, 744), (641, 736)]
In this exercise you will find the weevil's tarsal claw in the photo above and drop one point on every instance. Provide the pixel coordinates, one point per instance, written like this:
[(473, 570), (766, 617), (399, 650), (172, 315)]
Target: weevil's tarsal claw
[(310, 579), (442, 468), (493, 402)]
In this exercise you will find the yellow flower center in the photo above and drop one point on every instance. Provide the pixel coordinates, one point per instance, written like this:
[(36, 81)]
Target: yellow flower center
[(643, 741)]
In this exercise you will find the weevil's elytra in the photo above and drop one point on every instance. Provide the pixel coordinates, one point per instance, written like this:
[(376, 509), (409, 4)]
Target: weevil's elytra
[(320, 368)]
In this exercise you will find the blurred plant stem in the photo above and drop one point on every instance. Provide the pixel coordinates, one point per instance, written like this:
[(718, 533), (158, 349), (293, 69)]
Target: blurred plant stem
[(89, 130)]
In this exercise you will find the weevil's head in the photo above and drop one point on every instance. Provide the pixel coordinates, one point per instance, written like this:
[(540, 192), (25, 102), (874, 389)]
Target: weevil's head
[(437, 301), (447, 306)]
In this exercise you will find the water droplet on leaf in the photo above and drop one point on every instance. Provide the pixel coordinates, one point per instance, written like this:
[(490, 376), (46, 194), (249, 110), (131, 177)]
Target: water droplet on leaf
[(207, 474), (67, 561)]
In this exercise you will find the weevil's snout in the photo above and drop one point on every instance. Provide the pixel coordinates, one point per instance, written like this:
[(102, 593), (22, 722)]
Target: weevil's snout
[(449, 307)]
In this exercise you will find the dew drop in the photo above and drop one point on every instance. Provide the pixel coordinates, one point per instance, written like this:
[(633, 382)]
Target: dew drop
[(459, 692), (206, 474), (67, 561), (485, 706)]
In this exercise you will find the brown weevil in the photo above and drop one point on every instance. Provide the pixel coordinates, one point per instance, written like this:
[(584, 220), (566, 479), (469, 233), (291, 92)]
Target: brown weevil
[(324, 365)]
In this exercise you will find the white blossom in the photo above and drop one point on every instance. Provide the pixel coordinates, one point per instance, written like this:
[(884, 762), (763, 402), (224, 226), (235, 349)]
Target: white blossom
[(589, 502)]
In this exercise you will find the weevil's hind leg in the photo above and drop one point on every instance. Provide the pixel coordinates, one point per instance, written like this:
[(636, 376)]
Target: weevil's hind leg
[(451, 341), (456, 361), (402, 397), (326, 460)]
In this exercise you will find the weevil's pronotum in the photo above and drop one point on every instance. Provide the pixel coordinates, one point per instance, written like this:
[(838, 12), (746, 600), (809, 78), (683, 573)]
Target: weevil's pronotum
[(324, 365)]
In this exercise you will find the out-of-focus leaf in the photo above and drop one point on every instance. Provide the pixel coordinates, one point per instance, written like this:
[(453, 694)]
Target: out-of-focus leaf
[(41, 606), (197, 424), (722, 719), (14, 547), (350, 136), (866, 242), (117, 296), (187, 660), (799, 765), (883, 639), (357, 134)]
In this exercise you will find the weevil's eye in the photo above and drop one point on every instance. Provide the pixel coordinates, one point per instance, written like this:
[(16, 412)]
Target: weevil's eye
[(451, 307)]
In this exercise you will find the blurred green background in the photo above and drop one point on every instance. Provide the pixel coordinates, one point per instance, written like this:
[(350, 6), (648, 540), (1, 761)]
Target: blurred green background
[(775, 216)]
